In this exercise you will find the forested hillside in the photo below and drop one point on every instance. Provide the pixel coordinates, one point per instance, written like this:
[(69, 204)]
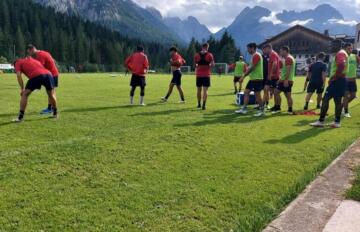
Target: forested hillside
[(83, 44)]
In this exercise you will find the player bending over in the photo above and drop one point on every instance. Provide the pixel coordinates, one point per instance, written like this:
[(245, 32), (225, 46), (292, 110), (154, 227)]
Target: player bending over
[(351, 86), (288, 69), (337, 86), (176, 62), (48, 62), (38, 76), (256, 82), (204, 61), (138, 65), (317, 79)]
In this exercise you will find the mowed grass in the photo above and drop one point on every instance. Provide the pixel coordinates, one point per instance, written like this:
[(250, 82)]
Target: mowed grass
[(354, 192), (107, 166)]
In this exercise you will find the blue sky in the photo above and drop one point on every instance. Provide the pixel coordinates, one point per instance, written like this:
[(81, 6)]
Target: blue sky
[(217, 14)]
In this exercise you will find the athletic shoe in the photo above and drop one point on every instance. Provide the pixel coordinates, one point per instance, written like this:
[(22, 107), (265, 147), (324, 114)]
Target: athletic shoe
[(347, 115), (241, 111), (276, 111), (203, 108), (235, 92), (335, 125), (46, 111), (260, 113), (163, 99), (317, 124), (142, 104), (182, 102), (17, 120), (306, 108), (54, 116), (290, 112)]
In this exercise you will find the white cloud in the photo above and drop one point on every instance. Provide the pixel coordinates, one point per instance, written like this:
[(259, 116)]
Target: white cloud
[(343, 22), (271, 18), (300, 22), (220, 13)]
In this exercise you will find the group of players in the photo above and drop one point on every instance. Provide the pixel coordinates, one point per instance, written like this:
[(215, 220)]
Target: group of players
[(270, 74)]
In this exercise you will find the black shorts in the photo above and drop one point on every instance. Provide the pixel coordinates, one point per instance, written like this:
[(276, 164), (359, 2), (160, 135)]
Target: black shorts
[(137, 81), (271, 83), (318, 87), (44, 80), (236, 79), (176, 80), (203, 82), (351, 86), (284, 89), (256, 86), (336, 89), (56, 81)]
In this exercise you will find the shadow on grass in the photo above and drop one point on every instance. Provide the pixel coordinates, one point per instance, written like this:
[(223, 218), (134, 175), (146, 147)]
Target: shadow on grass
[(164, 112), (26, 120), (228, 116), (299, 136), (97, 109)]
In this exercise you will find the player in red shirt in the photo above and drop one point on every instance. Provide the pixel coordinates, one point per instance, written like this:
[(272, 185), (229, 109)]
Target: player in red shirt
[(38, 76), (48, 62), (273, 72), (138, 65), (204, 61), (337, 86), (176, 62)]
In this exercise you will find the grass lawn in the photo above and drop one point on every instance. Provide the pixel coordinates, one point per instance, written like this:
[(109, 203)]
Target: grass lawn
[(354, 192), (106, 166)]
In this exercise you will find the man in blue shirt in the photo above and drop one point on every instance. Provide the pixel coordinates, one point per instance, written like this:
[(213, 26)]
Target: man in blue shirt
[(317, 79)]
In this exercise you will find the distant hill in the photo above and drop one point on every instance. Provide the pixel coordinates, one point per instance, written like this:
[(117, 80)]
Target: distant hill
[(124, 16), (70, 39), (258, 23)]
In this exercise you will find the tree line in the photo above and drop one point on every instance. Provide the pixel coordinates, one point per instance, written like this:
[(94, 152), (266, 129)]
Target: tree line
[(85, 45)]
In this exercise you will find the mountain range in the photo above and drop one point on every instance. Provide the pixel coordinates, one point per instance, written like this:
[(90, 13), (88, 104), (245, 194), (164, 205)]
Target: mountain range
[(252, 24)]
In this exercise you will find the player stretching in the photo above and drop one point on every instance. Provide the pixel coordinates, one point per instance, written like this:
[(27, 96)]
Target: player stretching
[(49, 63), (138, 65), (204, 61), (351, 89), (337, 86), (273, 72), (38, 76), (286, 82), (239, 70), (176, 62), (317, 78), (256, 82)]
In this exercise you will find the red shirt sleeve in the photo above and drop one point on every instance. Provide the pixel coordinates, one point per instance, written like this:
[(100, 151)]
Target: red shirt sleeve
[(289, 61), (210, 57), (197, 58), (340, 60), (18, 66), (255, 59), (128, 61), (146, 63)]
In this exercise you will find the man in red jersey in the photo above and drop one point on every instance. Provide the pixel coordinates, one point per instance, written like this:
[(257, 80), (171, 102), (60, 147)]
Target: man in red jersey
[(337, 85), (176, 62), (204, 61), (138, 65), (48, 62), (38, 76), (273, 72)]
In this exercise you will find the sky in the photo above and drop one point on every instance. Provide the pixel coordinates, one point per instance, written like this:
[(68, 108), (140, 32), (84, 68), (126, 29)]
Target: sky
[(216, 14)]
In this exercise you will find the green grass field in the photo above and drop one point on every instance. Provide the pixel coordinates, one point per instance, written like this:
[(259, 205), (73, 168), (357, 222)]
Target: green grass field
[(107, 166), (354, 192)]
